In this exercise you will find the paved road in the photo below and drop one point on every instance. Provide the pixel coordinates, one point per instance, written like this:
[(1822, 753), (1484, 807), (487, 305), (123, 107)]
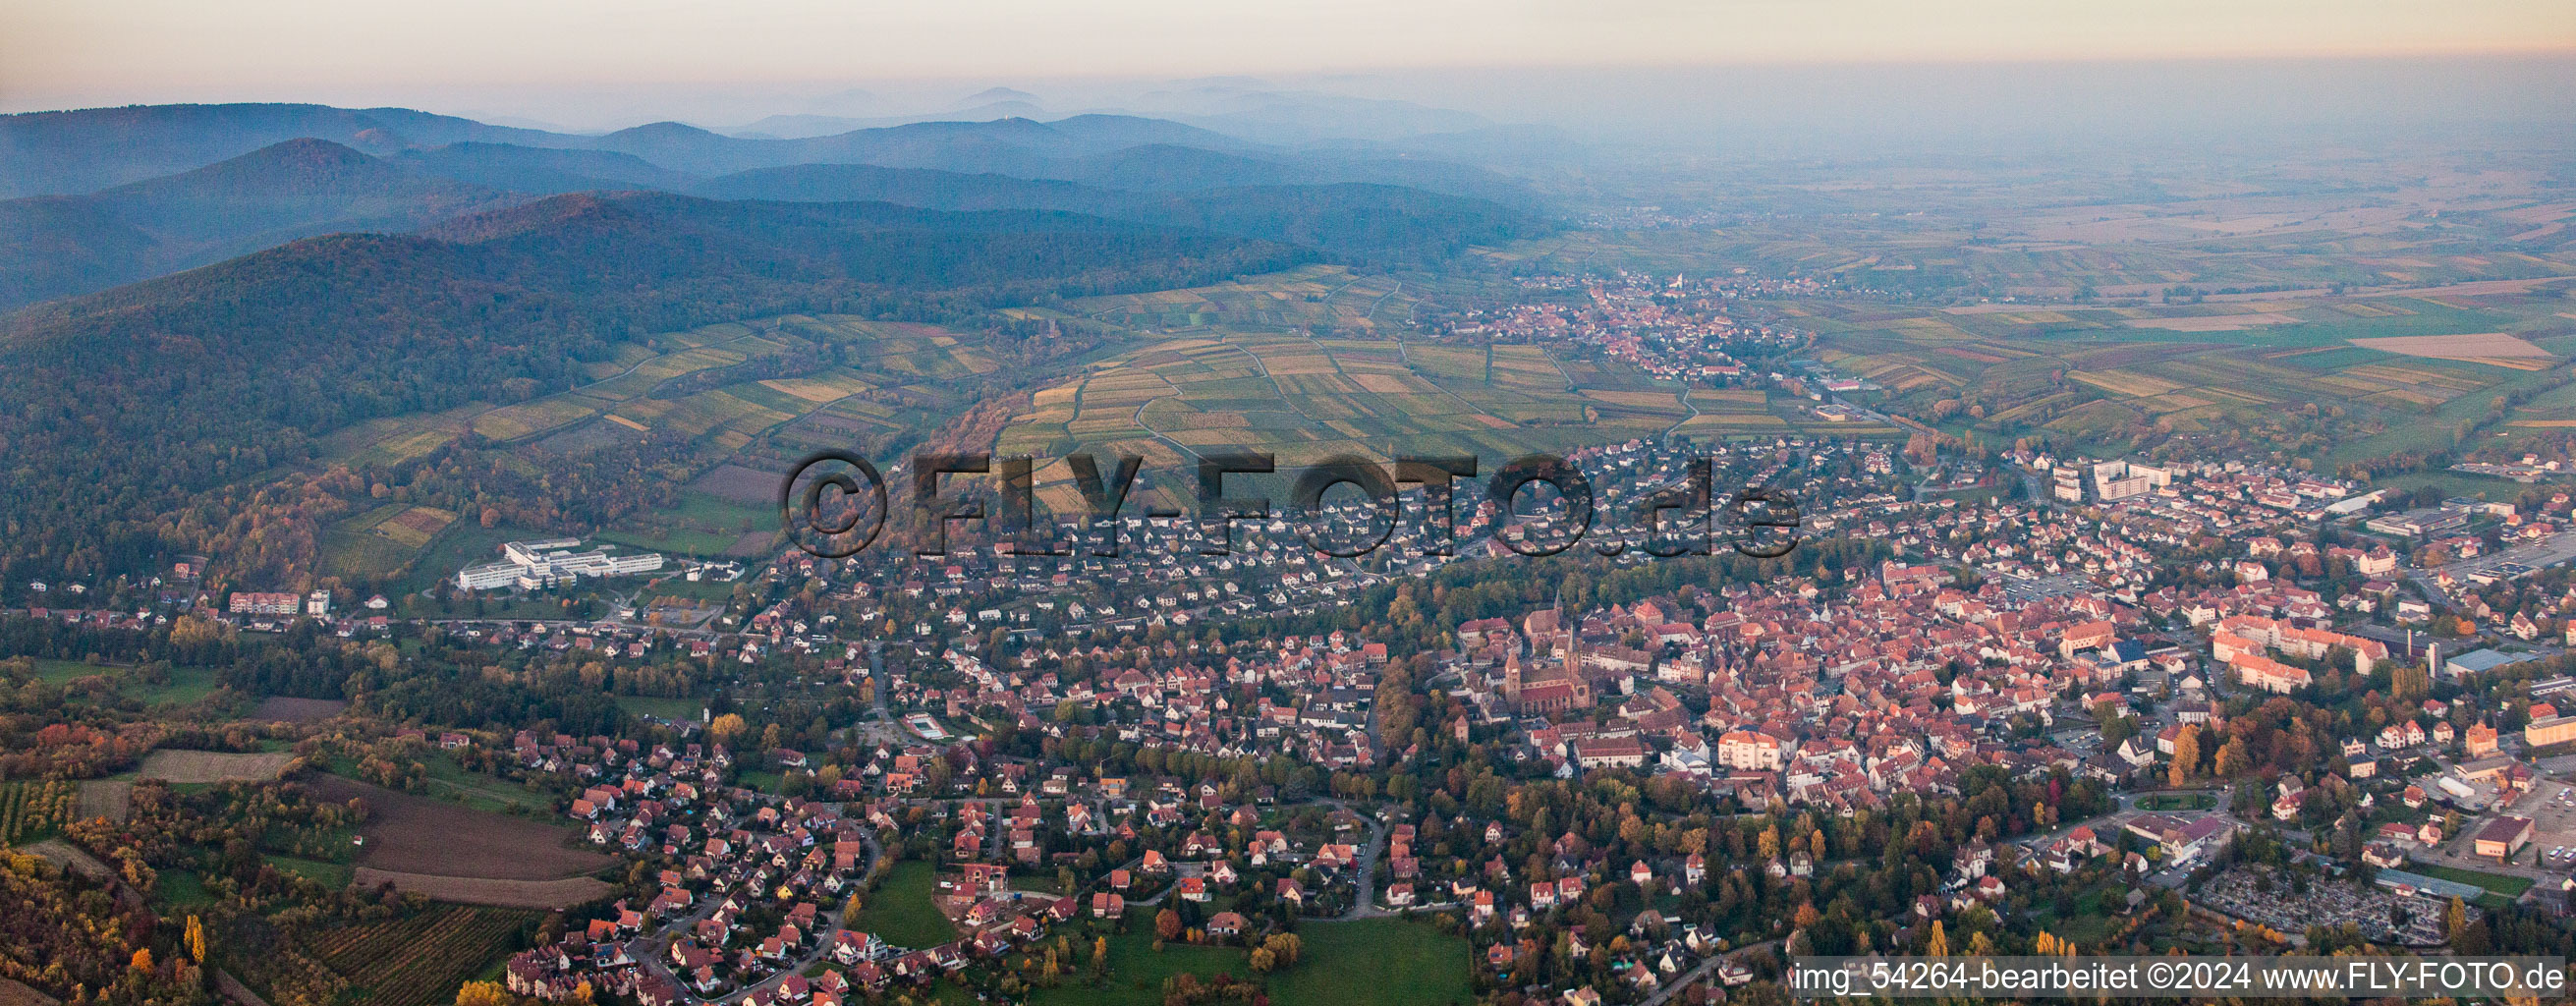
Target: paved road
[(1673, 987), (1364, 895), (652, 952)]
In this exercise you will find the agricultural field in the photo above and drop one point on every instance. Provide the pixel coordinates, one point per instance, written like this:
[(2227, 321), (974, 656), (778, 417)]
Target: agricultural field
[(561, 892), (417, 835), (112, 799), (1316, 296), (748, 397), (2390, 225), (2407, 370), (278, 708), (1308, 399), (199, 767), (421, 960), (383, 540), (33, 810)]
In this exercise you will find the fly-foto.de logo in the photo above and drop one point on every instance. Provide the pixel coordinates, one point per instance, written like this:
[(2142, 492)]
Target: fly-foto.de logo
[(836, 504)]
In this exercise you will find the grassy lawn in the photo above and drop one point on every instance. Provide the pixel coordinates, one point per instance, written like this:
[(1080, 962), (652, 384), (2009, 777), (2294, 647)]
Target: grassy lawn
[(2177, 801), (702, 524), (187, 684), (901, 913), (1375, 962), (332, 875), (1045, 884), (1137, 970), (451, 781), (66, 671), (2509, 887), (183, 889), (461, 544), (2090, 921), (678, 585), (496, 605), (669, 709)]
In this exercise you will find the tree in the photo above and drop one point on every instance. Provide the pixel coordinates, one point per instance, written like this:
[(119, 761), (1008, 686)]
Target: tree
[(2186, 756), (1939, 944), (2232, 759), (1167, 924), (727, 727), (484, 994), (196, 940), (1284, 948), (2409, 682)]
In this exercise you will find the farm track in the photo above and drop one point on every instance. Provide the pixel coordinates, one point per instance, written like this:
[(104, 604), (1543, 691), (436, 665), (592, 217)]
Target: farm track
[(548, 894)]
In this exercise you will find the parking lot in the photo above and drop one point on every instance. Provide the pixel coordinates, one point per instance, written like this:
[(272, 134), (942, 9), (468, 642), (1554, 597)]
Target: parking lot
[(2028, 589), (2551, 853), (2552, 809)]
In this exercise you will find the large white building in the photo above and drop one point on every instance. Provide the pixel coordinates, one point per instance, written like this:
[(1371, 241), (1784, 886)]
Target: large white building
[(535, 564), (1749, 750)]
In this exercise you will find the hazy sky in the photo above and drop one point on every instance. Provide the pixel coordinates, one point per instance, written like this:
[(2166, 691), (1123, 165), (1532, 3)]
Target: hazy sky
[(561, 57)]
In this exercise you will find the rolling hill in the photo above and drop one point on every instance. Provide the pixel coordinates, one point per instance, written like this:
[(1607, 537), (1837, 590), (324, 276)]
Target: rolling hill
[(125, 406), (57, 246), (85, 150), (542, 171)]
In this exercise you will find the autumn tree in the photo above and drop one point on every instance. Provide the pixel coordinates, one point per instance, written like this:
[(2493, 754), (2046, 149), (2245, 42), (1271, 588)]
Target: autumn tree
[(2186, 755)]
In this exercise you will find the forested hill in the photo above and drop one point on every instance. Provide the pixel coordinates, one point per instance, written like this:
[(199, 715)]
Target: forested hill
[(121, 406), (57, 246), (84, 150)]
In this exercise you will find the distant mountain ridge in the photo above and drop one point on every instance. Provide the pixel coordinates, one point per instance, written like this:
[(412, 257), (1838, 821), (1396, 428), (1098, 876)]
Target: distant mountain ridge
[(542, 171), (81, 151), (57, 246), (74, 152)]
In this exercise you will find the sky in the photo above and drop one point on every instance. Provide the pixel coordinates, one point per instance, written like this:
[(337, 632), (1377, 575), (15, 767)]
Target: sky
[(597, 63)]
